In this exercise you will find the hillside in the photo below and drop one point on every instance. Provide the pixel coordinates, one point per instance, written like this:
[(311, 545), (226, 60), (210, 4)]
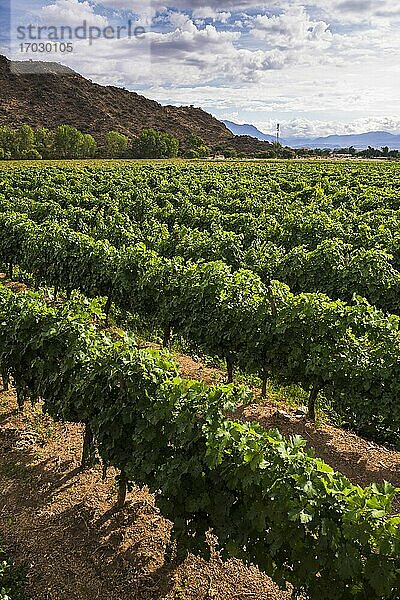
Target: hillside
[(54, 95)]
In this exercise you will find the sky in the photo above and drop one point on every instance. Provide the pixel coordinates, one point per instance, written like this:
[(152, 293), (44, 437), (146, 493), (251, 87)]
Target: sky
[(317, 68)]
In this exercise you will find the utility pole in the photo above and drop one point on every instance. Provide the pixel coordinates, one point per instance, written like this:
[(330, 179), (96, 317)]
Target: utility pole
[(278, 131)]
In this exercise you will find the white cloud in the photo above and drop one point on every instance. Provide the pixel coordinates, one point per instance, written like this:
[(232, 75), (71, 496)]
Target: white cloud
[(70, 12), (292, 29), (207, 12), (361, 11), (318, 67), (341, 11), (301, 127)]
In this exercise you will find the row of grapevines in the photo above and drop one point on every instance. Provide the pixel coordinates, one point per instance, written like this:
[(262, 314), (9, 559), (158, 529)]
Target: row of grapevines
[(314, 237), (267, 499), (349, 351), (335, 268)]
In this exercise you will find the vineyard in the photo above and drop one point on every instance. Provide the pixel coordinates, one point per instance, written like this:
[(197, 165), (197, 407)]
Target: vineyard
[(290, 273)]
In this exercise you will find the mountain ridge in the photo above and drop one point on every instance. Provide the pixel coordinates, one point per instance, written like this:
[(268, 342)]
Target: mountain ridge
[(360, 141), (43, 94), (50, 96), (248, 129)]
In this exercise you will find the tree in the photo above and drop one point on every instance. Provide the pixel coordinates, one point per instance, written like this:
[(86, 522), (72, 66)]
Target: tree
[(196, 147), (6, 141), (194, 141), (32, 154), (229, 152), (203, 151), (116, 145), (88, 146), (154, 144), (44, 142), (191, 154), (24, 141), (287, 153), (68, 142)]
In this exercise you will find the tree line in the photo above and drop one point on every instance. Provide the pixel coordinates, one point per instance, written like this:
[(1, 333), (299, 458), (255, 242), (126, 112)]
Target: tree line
[(67, 142), (370, 152)]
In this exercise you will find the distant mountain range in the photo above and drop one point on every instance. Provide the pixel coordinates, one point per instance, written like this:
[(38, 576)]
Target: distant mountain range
[(376, 139), (249, 130)]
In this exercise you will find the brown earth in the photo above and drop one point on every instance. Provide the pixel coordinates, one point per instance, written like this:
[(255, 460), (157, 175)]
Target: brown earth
[(54, 95)]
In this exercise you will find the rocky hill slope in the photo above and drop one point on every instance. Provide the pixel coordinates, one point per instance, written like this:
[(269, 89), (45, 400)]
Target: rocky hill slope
[(53, 95)]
